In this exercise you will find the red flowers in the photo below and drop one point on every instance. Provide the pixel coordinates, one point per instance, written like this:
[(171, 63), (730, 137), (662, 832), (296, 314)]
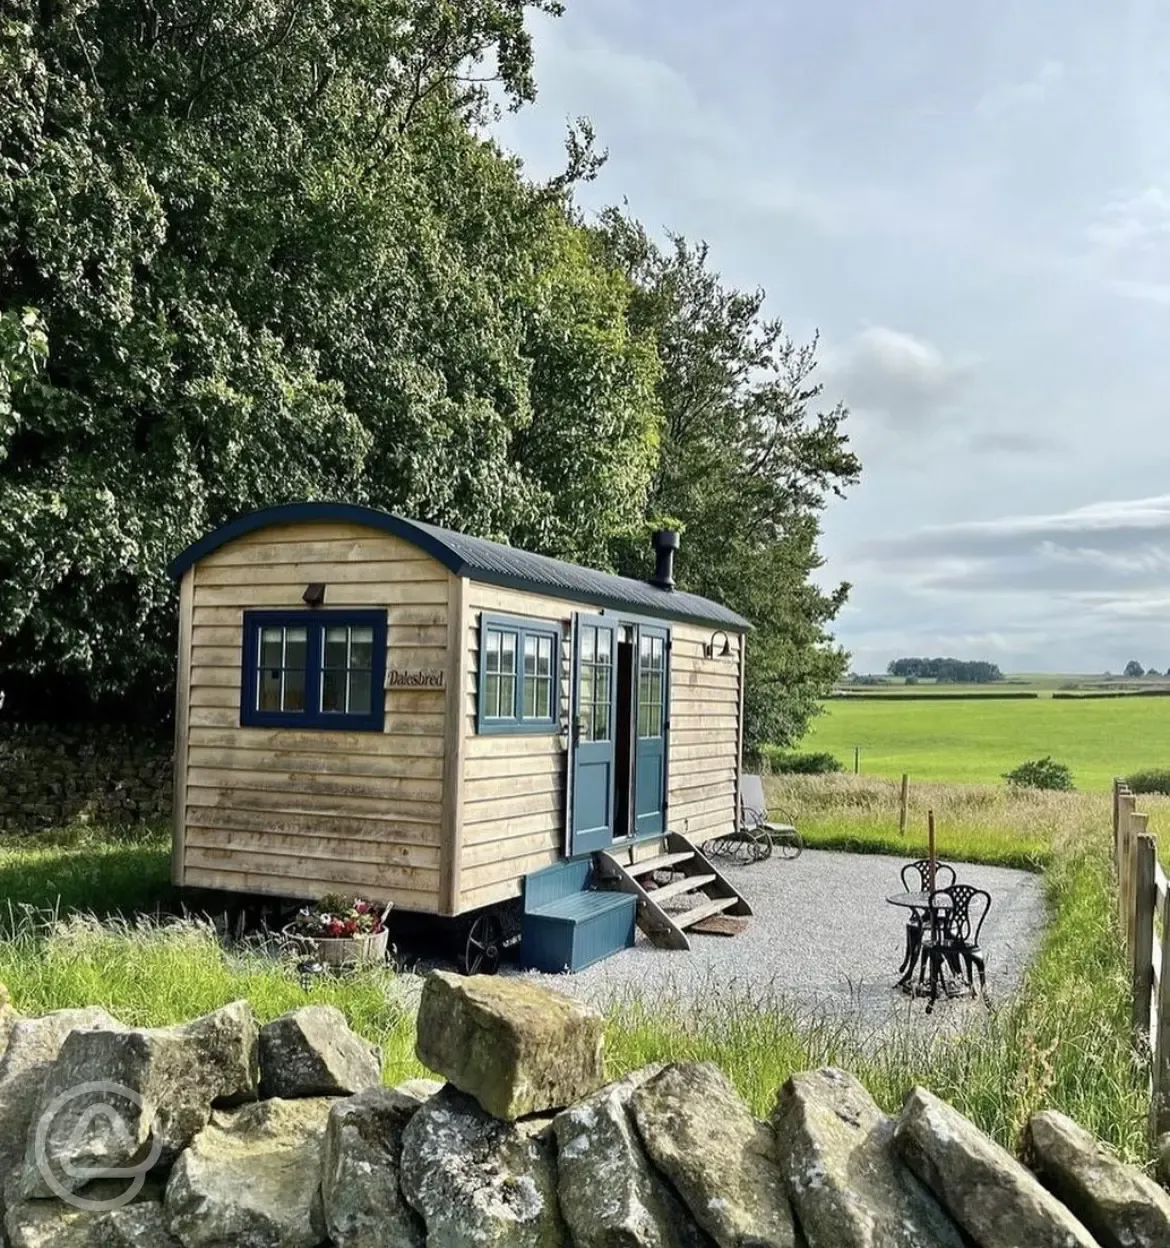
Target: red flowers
[(338, 918)]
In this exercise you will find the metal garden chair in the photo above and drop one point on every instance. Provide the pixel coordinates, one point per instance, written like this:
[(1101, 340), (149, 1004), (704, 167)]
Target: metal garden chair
[(916, 879), (756, 836), (959, 943)]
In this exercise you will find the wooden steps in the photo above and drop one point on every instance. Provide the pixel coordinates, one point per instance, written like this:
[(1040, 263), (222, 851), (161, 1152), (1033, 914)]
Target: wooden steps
[(697, 881), (660, 862)]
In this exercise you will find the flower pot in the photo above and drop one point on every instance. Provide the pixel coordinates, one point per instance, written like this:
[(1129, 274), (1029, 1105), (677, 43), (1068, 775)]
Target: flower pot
[(367, 949)]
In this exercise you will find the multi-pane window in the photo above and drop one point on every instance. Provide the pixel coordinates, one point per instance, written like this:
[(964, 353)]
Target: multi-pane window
[(500, 674), (347, 670), (595, 693), (519, 675), (651, 685), (314, 669), (284, 656), (538, 676)]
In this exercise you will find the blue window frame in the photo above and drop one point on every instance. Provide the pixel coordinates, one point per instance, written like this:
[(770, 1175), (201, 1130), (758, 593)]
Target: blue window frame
[(314, 669), (519, 675)]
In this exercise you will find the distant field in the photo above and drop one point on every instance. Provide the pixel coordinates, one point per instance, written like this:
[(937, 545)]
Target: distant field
[(977, 741), (1043, 684)]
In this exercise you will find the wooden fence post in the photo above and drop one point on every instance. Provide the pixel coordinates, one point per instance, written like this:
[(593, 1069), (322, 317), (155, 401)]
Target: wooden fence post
[(1160, 1102), (1116, 825), (1145, 897), (1136, 898), (904, 803)]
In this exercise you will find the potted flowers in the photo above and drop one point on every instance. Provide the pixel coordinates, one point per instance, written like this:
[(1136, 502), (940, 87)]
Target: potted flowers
[(342, 931)]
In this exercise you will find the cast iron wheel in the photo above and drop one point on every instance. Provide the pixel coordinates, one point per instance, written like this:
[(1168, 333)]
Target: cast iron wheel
[(481, 945), (788, 844)]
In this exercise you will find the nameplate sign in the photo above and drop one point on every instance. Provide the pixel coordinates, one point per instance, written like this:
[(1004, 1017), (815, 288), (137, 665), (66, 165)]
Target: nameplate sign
[(417, 679)]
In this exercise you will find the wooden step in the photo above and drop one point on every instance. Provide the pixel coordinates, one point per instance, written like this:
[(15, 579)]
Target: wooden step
[(688, 918), (687, 884), (660, 863)]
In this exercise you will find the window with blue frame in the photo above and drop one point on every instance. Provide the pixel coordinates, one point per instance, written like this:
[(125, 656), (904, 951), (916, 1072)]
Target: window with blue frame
[(519, 675), (314, 669)]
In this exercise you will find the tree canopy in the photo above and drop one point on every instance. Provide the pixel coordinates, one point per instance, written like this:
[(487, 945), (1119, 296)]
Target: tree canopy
[(949, 671), (251, 254)]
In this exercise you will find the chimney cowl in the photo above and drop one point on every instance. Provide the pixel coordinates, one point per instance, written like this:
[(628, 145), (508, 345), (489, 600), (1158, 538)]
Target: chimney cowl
[(665, 542)]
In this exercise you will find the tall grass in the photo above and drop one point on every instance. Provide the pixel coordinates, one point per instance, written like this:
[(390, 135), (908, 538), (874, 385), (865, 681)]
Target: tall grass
[(149, 974)]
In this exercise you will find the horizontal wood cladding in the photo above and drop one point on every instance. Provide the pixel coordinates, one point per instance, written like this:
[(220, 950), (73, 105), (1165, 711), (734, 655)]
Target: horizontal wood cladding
[(297, 812), (514, 784), (312, 843), (704, 733)]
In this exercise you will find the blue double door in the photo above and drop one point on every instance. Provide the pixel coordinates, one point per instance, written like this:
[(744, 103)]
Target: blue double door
[(618, 739)]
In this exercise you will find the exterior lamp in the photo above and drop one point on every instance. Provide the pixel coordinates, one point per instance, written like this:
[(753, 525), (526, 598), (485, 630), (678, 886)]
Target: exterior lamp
[(314, 594), (709, 646)]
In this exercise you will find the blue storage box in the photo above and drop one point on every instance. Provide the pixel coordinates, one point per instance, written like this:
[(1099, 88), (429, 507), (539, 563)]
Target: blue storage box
[(567, 925)]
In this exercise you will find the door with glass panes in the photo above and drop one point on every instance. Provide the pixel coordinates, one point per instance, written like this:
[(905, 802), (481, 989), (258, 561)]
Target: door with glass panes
[(651, 703), (594, 695)]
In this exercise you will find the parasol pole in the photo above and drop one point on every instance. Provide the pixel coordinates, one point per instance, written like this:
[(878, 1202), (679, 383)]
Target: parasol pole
[(930, 849)]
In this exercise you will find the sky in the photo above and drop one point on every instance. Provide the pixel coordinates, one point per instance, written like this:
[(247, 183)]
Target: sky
[(971, 205)]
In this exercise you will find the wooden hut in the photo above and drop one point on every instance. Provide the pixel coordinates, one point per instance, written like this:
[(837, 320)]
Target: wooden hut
[(371, 705)]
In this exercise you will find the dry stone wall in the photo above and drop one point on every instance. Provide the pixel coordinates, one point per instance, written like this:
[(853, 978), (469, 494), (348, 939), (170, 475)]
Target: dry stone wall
[(51, 775), (175, 1137)]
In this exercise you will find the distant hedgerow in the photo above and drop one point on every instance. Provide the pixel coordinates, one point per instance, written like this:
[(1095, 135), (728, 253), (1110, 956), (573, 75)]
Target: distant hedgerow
[(795, 762), (1155, 780), (1041, 773)]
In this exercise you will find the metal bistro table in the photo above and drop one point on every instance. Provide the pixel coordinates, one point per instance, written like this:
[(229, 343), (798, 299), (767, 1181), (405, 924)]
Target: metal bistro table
[(920, 903)]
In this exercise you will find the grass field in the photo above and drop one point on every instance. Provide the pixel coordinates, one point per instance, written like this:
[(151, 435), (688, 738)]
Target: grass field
[(976, 742)]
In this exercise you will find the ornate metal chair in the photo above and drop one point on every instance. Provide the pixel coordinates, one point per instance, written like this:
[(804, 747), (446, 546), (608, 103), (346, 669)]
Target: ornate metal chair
[(958, 943), (916, 879)]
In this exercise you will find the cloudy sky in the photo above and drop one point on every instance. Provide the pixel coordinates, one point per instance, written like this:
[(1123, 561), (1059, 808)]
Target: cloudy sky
[(971, 203)]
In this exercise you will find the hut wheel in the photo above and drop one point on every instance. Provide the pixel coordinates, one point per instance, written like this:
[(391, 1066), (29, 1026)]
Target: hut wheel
[(481, 945)]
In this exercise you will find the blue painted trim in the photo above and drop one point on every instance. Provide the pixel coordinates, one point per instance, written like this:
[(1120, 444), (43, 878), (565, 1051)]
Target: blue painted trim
[(516, 723), (315, 513), (428, 543), (316, 621)]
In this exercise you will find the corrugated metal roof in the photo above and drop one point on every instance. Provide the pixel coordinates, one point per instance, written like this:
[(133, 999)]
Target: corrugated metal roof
[(483, 560)]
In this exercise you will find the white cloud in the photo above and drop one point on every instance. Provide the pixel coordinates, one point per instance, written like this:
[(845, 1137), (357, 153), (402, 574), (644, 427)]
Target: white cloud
[(904, 379)]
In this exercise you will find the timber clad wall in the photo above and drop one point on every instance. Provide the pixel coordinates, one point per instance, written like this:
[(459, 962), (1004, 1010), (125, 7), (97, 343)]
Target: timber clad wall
[(513, 784), (299, 813), (704, 735)]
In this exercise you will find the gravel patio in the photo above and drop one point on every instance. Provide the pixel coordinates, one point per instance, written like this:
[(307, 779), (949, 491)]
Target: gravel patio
[(823, 939)]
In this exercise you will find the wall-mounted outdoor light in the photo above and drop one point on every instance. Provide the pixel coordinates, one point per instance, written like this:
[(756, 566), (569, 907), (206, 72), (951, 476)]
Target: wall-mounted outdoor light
[(314, 594), (709, 646)]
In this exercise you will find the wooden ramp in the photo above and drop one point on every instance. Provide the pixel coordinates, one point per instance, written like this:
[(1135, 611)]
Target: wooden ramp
[(687, 877)]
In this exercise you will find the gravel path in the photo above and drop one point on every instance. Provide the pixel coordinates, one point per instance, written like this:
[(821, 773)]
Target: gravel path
[(823, 939)]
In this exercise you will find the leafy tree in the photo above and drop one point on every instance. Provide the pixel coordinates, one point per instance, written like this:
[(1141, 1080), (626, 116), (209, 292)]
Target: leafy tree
[(1134, 668), (950, 671), (745, 465), (269, 257), (1041, 773)]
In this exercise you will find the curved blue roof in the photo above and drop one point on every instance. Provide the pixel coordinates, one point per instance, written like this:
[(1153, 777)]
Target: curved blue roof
[(481, 560)]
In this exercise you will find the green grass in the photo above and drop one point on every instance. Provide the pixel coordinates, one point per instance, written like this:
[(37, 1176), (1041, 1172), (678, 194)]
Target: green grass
[(150, 974), (976, 742), (87, 869)]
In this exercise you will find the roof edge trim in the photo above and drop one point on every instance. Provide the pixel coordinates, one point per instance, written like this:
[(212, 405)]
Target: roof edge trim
[(314, 513)]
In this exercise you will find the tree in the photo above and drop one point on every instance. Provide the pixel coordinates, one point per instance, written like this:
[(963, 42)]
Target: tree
[(268, 256), (745, 465), (1134, 668), (951, 671)]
